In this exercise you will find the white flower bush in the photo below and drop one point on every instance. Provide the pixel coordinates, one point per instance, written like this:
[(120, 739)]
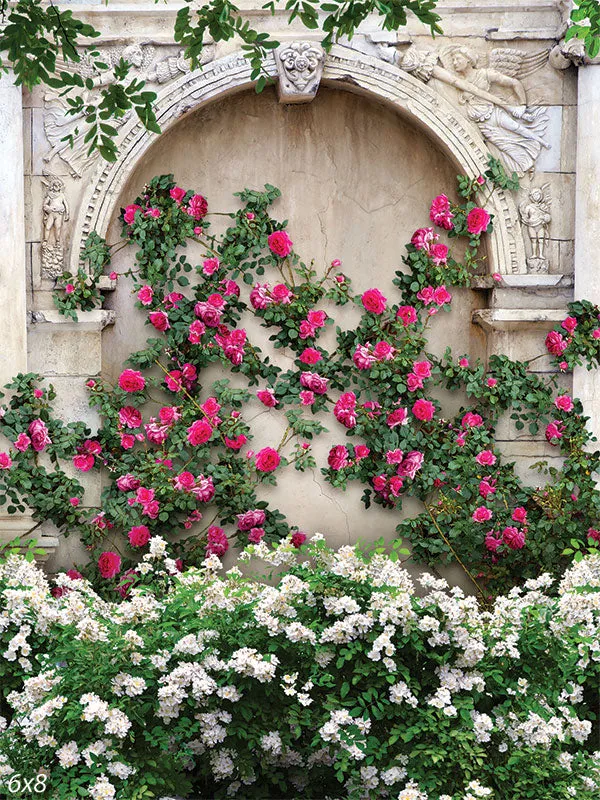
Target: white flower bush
[(337, 679)]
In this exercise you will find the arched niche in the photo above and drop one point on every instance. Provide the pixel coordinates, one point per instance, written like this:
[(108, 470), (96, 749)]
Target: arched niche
[(357, 178), (345, 69)]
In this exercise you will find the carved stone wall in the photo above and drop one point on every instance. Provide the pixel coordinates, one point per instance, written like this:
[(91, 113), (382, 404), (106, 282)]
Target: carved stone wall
[(487, 86)]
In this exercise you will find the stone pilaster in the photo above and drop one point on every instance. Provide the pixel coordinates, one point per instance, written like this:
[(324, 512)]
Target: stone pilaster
[(586, 384)]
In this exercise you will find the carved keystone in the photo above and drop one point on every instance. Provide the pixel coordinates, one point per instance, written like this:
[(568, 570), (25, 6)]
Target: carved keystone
[(300, 66)]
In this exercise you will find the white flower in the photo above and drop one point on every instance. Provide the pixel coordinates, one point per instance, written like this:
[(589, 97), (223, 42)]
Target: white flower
[(102, 789)]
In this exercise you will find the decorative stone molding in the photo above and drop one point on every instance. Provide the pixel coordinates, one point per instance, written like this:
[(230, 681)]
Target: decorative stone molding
[(571, 53), (145, 65), (345, 69), (299, 67)]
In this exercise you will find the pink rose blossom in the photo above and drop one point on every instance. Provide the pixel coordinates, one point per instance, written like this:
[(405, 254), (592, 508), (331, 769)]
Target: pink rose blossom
[(139, 536), (513, 537), (491, 543), (197, 207), (363, 357), (306, 330), (69, 288), (374, 301), (410, 464), (463, 362), (230, 288), (338, 457), (423, 410), (255, 535), (280, 243), (298, 538), (394, 456), (439, 254), (237, 443), (131, 380), (383, 351), (422, 369), (196, 331), (472, 420), (413, 382), (519, 514), (199, 432), (5, 461), (210, 266), (307, 398), (109, 564), (267, 397), (316, 318), (486, 487), (397, 417), (160, 320), (130, 417), (491, 382), (569, 324), (310, 356), (485, 458), (74, 501), (217, 542), (554, 431), (440, 213), (478, 220), (555, 343), (127, 441), (145, 295), (22, 443), (267, 460), (408, 315), (593, 534), (251, 519), (38, 433), (425, 295), (564, 402), (423, 238), (481, 514), (168, 415), (314, 382), (177, 194), (361, 451), (128, 483), (130, 212), (441, 296), (281, 294), (259, 296)]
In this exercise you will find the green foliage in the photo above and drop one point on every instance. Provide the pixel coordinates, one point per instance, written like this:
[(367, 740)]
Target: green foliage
[(585, 24), (42, 44)]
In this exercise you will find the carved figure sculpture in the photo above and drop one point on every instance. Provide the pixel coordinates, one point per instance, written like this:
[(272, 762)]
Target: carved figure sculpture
[(56, 212), (166, 69), (59, 125), (514, 128), (535, 216)]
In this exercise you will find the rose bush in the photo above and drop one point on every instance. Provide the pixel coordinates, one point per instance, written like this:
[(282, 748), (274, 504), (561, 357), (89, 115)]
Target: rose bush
[(337, 679), (189, 466)]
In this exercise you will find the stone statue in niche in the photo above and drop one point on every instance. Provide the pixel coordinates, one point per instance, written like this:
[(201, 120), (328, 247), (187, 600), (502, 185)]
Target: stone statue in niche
[(300, 66), (535, 216), (144, 66), (56, 213), (516, 129)]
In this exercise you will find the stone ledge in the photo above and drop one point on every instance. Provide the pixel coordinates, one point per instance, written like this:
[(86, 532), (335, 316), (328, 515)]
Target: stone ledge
[(512, 319), (22, 526), (96, 320), (529, 281)]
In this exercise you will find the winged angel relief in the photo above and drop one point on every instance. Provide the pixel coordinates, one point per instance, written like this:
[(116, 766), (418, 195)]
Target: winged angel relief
[(60, 126), (503, 117)]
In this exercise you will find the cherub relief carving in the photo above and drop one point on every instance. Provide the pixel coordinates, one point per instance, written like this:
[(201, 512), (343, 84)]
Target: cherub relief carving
[(56, 212), (535, 216)]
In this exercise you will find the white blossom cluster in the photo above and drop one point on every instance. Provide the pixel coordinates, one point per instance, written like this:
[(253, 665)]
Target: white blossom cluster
[(332, 643)]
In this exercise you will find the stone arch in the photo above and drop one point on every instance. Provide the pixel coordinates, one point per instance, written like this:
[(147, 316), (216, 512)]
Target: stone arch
[(344, 69)]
